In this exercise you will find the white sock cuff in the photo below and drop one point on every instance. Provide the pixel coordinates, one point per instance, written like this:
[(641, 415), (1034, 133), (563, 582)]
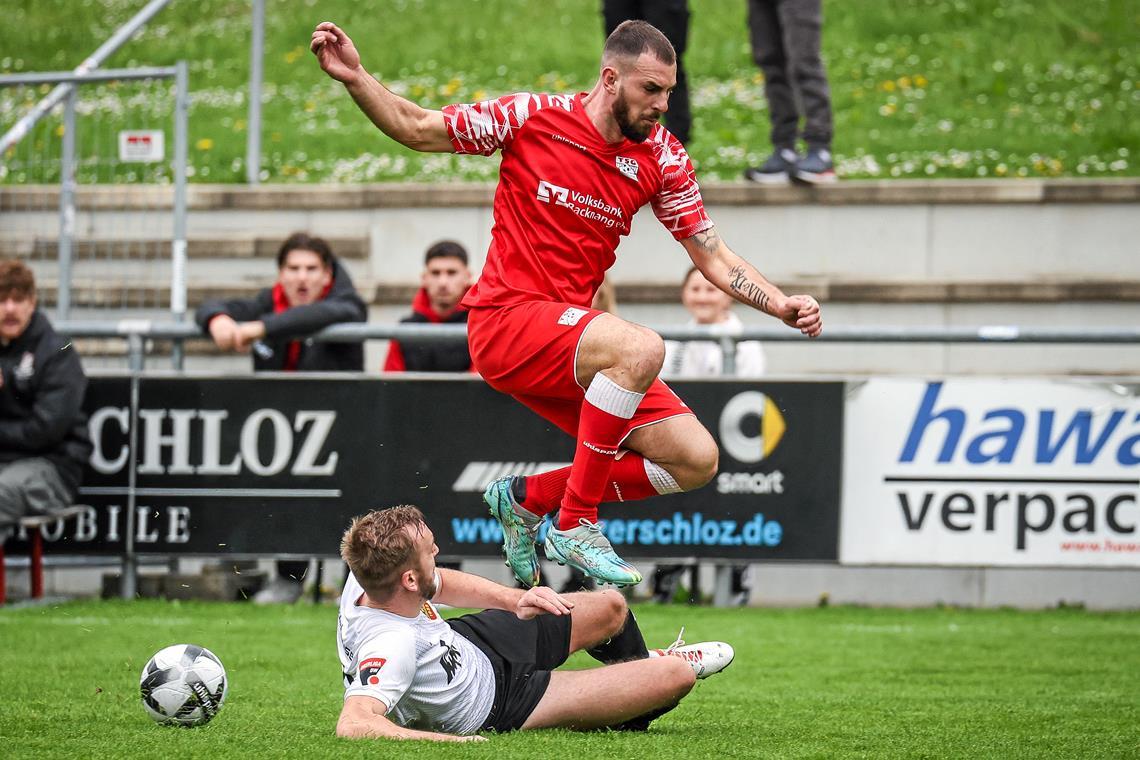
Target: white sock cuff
[(660, 479), (610, 397)]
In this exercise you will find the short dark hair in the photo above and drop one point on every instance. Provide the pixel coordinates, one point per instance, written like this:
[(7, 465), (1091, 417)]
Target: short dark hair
[(446, 248), (634, 37), (304, 241), (16, 279)]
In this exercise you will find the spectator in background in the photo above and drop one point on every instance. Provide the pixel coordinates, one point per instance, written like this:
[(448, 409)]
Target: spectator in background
[(785, 38), (313, 290), (44, 442), (444, 282), (708, 306), (671, 17)]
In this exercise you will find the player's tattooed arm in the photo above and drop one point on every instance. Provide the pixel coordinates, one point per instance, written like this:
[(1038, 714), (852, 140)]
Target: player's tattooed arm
[(747, 290), (742, 281), (708, 241), (732, 274)]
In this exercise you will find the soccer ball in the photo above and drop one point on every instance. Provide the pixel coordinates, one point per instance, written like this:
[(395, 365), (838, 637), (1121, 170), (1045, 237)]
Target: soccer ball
[(183, 685)]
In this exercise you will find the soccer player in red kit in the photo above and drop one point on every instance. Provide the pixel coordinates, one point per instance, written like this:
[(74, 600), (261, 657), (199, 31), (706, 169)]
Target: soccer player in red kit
[(575, 169)]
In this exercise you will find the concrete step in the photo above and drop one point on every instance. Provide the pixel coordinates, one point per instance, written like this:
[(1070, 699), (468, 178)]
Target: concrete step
[(36, 247)]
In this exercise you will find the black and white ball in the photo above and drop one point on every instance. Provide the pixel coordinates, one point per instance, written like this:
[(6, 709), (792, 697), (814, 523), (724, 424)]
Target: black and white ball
[(183, 685)]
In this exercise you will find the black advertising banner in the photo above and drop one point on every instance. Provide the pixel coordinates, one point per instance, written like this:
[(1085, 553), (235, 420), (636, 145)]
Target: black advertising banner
[(279, 465)]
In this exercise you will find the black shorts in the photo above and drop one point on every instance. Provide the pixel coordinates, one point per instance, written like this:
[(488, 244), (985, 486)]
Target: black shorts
[(522, 654)]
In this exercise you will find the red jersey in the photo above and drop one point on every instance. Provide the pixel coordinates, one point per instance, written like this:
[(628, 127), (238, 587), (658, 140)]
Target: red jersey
[(566, 196)]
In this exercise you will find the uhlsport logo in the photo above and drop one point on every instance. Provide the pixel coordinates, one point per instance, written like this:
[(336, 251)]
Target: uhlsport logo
[(751, 427)]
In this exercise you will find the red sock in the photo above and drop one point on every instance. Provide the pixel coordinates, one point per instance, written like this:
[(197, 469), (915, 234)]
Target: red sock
[(599, 434), (627, 482)]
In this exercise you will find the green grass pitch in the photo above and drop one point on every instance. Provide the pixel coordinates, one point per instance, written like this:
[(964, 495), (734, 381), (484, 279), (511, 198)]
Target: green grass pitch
[(825, 683)]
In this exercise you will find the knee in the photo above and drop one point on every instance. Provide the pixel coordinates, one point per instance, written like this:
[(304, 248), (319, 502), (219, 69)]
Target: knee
[(679, 677), (615, 612), (701, 462), (645, 356)]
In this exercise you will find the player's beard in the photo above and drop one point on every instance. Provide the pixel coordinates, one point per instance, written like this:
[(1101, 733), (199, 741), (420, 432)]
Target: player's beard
[(635, 131), (426, 581)]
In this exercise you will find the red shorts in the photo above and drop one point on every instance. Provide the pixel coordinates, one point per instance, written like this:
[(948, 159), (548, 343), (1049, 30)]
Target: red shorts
[(528, 351)]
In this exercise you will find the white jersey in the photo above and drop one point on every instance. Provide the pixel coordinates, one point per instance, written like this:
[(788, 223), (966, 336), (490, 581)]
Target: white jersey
[(428, 676), (704, 358)]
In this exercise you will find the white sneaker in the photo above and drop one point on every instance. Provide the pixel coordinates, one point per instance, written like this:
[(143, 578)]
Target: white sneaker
[(705, 658)]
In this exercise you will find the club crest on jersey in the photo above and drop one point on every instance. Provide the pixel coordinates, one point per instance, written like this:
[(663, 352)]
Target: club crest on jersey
[(627, 166), (370, 671), (572, 316)]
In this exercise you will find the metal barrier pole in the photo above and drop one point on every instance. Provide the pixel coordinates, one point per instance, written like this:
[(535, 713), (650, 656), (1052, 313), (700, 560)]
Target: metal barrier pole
[(66, 209), (129, 582), (253, 126), (728, 349), (178, 252)]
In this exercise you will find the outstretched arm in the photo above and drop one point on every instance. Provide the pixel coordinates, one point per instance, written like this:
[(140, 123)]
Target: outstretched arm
[(364, 718), (460, 589), (402, 120), (742, 281)]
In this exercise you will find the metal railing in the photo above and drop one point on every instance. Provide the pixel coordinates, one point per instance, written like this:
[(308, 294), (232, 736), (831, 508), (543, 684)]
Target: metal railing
[(137, 332)]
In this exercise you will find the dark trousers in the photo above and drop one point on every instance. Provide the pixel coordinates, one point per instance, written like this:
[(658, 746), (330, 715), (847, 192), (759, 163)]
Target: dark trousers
[(785, 38), (671, 17)]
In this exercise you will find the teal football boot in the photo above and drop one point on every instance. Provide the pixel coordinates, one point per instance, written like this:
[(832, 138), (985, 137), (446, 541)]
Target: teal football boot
[(585, 548), (519, 530)]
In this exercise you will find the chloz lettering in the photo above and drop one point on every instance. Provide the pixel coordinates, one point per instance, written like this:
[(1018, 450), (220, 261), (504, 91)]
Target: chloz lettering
[(740, 283)]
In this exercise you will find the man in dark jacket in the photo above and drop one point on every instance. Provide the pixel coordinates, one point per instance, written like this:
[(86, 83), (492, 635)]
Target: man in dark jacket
[(44, 442), (444, 282), (313, 291)]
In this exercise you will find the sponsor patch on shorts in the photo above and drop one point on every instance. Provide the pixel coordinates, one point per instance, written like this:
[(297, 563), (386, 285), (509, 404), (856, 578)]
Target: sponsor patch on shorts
[(572, 316)]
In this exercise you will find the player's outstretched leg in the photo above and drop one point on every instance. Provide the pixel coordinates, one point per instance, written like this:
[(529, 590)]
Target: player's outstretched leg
[(586, 548), (706, 658), (520, 527)]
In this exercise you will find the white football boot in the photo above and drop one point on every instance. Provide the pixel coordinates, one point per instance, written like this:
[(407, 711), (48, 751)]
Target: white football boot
[(705, 658)]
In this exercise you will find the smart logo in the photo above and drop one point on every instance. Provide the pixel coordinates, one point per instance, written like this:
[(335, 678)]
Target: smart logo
[(752, 443), (751, 427)]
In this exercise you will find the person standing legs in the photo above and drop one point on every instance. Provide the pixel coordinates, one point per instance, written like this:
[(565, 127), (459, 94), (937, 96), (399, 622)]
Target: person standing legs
[(786, 41)]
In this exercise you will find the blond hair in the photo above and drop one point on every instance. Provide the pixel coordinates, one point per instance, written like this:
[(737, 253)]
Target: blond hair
[(378, 547)]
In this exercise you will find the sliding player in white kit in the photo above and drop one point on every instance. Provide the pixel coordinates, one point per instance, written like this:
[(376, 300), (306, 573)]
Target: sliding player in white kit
[(410, 674)]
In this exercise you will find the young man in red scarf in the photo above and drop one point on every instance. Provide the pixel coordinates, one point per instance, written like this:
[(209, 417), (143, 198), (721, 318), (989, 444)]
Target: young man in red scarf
[(445, 280), (313, 290)]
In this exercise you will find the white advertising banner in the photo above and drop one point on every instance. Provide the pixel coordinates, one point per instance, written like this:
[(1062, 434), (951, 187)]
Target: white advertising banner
[(990, 472)]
